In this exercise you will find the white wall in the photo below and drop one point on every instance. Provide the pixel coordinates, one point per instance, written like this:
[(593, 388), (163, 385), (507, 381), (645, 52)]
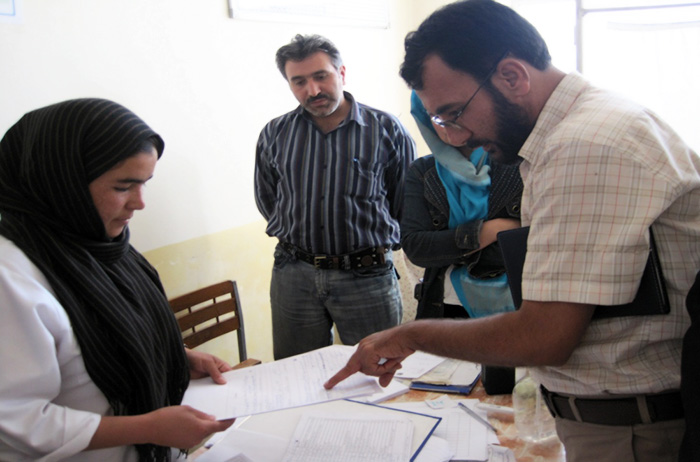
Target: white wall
[(205, 82)]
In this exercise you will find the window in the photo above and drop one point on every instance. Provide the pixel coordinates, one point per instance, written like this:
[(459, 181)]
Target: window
[(356, 13), (645, 49)]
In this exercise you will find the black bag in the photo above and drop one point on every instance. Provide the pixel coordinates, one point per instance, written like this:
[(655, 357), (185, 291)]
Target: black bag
[(690, 378), (651, 297)]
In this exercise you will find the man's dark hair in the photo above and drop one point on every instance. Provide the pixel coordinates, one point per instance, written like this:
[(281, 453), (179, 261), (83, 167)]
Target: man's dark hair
[(471, 36), (303, 46)]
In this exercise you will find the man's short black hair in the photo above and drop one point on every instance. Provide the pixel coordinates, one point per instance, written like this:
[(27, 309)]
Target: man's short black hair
[(470, 36)]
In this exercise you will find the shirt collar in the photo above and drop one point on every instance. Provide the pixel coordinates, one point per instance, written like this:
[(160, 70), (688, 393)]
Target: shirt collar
[(554, 111)]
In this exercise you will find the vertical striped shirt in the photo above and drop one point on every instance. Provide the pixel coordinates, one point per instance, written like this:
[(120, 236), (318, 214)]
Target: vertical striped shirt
[(338, 192)]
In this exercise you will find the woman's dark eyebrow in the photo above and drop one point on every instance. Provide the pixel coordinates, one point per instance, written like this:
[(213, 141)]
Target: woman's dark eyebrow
[(133, 180)]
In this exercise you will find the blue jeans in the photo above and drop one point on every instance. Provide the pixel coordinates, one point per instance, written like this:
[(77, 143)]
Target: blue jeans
[(307, 301)]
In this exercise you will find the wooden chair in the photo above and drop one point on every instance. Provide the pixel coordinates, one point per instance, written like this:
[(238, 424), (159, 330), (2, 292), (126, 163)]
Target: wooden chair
[(209, 312)]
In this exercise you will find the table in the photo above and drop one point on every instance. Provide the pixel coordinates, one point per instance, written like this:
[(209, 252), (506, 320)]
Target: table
[(551, 451), (524, 451)]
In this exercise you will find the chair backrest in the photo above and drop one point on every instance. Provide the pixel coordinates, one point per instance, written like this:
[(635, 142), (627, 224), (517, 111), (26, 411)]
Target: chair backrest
[(209, 312)]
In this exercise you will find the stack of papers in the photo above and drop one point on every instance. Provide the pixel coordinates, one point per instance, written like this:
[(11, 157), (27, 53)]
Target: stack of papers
[(285, 414), (451, 376)]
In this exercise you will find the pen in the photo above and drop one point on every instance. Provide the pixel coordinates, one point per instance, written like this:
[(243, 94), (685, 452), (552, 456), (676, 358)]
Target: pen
[(495, 408), (477, 417)]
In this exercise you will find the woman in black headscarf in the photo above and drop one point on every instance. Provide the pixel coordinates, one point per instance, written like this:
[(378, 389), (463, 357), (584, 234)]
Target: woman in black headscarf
[(92, 362)]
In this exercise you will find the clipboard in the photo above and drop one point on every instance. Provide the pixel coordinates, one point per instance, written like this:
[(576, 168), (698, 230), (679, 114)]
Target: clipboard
[(651, 298)]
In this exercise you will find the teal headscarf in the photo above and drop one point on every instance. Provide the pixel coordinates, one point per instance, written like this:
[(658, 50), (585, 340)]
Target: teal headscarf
[(467, 186)]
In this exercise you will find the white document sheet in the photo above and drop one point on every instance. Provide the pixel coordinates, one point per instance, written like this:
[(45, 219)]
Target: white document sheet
[(358, 438), (242, 445), (435, 450), (394, 389), (468, 439), (290, 382), (417, 364), (283, 424), (265, 437)]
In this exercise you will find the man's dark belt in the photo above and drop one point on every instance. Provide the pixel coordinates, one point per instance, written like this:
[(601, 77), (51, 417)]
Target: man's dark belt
[(361, 259), (616, 411)]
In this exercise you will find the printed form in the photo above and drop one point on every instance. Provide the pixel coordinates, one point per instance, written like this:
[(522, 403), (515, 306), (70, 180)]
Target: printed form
[(468, 439), (351, 439), (290, 382)]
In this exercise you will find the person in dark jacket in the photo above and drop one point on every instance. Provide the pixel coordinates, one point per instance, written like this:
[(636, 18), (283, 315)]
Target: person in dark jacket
[(455, 202)]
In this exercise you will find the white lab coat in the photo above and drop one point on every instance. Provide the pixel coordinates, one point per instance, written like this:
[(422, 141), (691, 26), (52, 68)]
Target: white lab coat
[(49, 406)]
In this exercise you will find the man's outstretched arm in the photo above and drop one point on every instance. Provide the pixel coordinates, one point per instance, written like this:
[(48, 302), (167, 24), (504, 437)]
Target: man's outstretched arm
[(538, 334)]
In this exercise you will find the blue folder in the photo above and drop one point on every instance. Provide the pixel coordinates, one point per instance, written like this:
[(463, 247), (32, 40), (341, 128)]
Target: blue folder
[(464, 389)]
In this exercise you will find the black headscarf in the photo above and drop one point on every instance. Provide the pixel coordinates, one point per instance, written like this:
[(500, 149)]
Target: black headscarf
[(128, 336)]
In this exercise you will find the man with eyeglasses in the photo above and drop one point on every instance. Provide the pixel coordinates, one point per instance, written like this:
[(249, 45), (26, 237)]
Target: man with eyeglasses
[(329, 181), (598, 173)]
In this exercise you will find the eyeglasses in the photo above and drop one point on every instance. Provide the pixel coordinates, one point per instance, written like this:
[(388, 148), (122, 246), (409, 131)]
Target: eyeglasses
[(452, 123)]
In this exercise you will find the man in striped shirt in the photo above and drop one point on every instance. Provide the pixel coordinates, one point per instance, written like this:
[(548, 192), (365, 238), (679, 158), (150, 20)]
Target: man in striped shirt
[(329, 181)]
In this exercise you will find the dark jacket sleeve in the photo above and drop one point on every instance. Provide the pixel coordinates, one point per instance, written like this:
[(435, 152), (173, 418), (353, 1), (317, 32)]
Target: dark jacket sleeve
[(425, 237), (428, 242)]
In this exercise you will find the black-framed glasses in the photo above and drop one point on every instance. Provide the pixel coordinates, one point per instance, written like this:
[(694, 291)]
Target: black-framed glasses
[(452, 123)]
